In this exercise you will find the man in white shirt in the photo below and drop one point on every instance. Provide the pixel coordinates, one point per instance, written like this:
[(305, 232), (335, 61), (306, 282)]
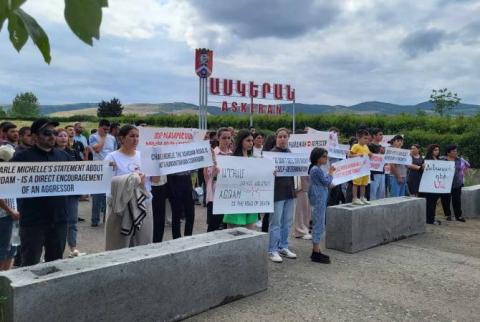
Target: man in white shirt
[(101, 144)]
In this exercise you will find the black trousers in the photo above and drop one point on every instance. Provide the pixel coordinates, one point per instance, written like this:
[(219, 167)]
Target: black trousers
[(180, 193), (159, 194), (455, 198), (34, 238), (265, 222), (432, 199), (214, 222), (335, 197)]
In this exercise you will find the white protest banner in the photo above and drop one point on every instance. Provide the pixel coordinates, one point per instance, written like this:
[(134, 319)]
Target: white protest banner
[(304, 143), (350, 169), (289, 164), (338, 151), (397, 156), (176, 158), (152, 137), (437, 176), (377, 162), (244, 185), (40, 179)]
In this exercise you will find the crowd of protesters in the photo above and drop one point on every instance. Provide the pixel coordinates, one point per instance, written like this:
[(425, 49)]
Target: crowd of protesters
[(31, 227)]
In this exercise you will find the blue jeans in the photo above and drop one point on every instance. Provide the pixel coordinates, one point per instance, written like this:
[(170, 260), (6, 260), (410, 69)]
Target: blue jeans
[(99, 203), (377, 187), (279, 225), (72, 220), (318, 221), (397, 189)]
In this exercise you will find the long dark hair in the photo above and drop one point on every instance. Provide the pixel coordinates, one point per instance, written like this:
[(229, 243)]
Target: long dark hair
[(270, 142), (430, 148), (316, 154), (241, 135)]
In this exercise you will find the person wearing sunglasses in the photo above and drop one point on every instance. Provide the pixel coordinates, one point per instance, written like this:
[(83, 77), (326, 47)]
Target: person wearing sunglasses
[(43, 224)]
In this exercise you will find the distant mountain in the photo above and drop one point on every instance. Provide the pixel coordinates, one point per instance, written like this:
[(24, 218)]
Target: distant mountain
[(372, 107)]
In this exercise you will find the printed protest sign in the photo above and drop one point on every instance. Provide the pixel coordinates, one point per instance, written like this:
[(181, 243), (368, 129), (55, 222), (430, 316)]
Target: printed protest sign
[(350, 169), (397, 156), (163, 160), (338, 151), (304, 143), (27, 179), (244, 185), (289, 164), (437, 176), (153, 137), (377, 162)]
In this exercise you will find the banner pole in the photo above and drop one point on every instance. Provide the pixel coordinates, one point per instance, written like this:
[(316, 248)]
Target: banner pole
[(293, 117)]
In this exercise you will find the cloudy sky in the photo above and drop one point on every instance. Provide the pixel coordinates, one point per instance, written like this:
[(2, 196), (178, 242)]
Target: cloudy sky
[(333, 52)]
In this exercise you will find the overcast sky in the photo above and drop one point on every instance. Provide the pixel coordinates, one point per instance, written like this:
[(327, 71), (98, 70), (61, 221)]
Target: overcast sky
[(333, 52)]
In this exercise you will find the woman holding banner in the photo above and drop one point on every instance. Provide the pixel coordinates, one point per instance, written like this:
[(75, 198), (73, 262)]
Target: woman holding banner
[(243, 148), (284, 197), (455, 196), (433, 152), (129, 207), (63, 143), (415, 170), (268, 145), (214, 222)]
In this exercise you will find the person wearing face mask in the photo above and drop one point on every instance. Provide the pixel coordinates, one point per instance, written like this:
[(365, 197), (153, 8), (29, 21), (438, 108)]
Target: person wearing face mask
[(43, 224), (129, 220), (284, 198)]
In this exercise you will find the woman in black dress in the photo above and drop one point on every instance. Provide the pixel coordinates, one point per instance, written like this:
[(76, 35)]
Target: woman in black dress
[(415, 170)]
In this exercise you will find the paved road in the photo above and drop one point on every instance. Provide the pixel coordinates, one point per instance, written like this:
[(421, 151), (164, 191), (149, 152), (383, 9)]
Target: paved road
[(430, 277)]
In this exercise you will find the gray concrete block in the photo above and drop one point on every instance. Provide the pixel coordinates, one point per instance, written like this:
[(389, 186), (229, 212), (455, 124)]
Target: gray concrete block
[(471, 202), (354, 228), (158, 282)]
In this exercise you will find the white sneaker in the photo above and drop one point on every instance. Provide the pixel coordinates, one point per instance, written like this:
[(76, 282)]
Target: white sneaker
[(357, 202), (275, 257), (287, 253), (258, 224), (307, 237), (365, 201)]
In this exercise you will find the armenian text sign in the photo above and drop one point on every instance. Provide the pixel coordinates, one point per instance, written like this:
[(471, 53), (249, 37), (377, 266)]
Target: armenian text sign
[(350, 169), (244, 185), (437, 176), (289, 164), (397, 156)]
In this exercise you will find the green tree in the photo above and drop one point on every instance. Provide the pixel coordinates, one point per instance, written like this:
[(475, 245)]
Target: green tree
[(2, 112), (82, 16), (443, 100), (25, 104), (110, 109)]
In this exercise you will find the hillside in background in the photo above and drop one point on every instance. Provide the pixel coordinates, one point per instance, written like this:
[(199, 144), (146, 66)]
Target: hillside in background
[(187, 108)]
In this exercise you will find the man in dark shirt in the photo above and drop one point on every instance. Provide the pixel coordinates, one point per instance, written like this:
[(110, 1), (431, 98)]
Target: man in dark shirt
[(43, 223), (377, 178)]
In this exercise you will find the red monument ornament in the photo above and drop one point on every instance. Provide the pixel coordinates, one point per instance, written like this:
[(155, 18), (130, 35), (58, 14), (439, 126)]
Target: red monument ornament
[(203, 62)]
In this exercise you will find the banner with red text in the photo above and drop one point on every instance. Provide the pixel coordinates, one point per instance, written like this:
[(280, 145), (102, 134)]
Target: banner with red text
[(304, 143), (350, 169), (437, 176), (152, 137), (377, 162)]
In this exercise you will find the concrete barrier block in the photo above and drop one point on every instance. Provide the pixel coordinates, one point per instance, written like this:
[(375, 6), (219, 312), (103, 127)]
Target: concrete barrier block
[(354, 228), (471, 202), (168, 281)]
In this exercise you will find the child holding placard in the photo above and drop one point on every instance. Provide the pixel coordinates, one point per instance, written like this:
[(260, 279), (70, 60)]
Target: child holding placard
[(358, 150), (318, 196)]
